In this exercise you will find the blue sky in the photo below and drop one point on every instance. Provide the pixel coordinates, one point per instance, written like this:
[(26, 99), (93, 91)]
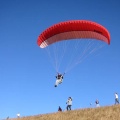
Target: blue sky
[(26, 75)]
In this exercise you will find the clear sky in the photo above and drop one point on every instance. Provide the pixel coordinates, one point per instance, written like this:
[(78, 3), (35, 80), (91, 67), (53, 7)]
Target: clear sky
[(26, 76)]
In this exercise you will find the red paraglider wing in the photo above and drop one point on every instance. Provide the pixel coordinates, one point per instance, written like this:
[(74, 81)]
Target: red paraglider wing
[(74, 29)]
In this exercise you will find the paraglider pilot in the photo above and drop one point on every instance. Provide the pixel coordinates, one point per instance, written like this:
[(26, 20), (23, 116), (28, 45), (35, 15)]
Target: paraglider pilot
[(59, 79)]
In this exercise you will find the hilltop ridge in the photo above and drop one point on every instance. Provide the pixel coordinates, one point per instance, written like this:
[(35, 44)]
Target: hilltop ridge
[(101, 113)]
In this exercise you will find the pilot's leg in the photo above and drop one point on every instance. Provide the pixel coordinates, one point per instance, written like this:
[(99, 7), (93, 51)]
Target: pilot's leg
[(56, 83)]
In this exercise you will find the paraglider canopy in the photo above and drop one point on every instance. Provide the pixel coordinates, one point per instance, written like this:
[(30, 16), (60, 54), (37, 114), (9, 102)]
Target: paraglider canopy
[(73, 29), (69, 43)]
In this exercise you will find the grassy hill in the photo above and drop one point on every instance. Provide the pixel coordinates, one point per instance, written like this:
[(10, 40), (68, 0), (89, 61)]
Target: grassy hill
[(102, 113)]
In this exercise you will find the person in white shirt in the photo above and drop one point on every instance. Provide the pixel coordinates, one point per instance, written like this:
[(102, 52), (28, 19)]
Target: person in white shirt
[(97, 103), (69, 103), (116, 99), (18, 115)]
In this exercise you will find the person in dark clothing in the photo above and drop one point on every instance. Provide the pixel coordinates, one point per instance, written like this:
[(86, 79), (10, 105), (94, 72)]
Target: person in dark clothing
[(59, 109)]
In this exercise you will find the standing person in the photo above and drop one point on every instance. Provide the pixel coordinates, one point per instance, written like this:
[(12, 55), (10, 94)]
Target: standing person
[(97, 103), (69, 103), (59, 79), (116, 99), (18, 115), (59, 109), (7, 118)]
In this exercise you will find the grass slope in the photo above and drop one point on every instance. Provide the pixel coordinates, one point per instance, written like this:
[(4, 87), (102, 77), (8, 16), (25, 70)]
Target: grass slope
[(102, 113)]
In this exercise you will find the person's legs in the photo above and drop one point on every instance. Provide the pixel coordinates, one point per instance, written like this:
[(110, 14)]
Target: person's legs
[(56, 83), (117, 100), (70, 107), (67, 107), (60, 81)]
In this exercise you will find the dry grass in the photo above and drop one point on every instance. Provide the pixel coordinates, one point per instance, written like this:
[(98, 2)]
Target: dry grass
[(102, 113)]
